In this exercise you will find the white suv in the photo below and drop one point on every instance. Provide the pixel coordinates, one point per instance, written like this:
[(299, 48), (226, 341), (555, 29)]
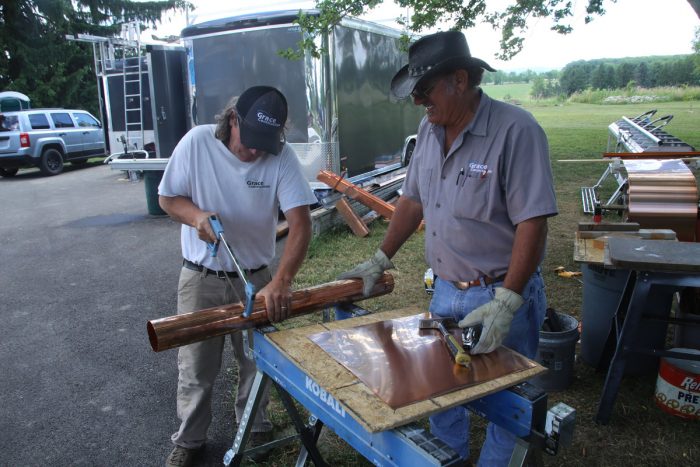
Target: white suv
[(46, 138)]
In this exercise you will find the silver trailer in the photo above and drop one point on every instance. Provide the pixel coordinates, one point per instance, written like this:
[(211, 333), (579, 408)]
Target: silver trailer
[(341, 117)]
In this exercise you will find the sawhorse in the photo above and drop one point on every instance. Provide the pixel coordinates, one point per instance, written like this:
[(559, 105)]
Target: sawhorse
[(526, 416)]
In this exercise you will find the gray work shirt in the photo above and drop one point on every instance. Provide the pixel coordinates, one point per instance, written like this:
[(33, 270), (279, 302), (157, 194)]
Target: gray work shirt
[(496, 174)]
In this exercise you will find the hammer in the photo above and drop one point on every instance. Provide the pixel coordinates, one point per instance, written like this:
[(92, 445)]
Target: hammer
[(460, 356)]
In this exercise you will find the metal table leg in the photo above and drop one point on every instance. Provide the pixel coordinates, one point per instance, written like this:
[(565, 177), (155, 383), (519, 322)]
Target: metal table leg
[(234, 456), (626, 323), (308, 435)]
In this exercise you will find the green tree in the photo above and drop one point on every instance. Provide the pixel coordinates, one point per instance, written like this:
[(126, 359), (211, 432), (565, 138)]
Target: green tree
[(624, 74), (657, 74), (575, 77), (512, 21), (53, 71), (539, 88), (642, 75), (601, 77)]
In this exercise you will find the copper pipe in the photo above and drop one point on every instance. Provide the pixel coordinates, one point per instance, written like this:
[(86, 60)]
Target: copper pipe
[(187, 328)]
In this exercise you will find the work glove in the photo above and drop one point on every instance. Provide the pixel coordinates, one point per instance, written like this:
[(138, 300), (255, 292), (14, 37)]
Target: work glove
[(495, 316), (369, 271)]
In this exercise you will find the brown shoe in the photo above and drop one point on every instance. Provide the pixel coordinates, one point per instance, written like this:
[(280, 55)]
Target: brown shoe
[(181, 457)]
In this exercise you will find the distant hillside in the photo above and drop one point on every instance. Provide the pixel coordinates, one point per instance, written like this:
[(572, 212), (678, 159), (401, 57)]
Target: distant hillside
[(633, 60)]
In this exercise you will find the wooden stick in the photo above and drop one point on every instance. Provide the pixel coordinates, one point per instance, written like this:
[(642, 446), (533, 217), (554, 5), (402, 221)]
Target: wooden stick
[(653, 155), (380, 206), (353, 191), (187, 328), (354, 221)]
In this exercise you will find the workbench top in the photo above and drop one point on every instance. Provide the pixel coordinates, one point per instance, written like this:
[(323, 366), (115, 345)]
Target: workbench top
[(650, 255), (359, 401), (590, 246)]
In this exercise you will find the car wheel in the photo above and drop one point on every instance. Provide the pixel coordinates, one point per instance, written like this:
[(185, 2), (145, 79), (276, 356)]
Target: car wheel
[(51, 162), (8, 172)]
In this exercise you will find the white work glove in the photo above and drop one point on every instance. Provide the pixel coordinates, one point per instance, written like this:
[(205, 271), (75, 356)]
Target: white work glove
[(495, 316), (369, 271)]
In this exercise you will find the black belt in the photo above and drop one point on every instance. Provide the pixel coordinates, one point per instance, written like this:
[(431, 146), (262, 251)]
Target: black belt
[(220, 274)]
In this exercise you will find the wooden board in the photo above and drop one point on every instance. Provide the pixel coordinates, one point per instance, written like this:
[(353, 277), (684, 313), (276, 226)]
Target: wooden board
[(354, 221), (353, 191), (652, 255), (608, 226), (359, 401), (590, 246)]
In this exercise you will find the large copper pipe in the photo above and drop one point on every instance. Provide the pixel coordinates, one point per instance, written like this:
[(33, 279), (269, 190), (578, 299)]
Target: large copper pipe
[(175, 331)]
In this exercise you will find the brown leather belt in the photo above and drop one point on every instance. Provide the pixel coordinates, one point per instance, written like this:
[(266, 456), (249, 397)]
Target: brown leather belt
[(464, 285)]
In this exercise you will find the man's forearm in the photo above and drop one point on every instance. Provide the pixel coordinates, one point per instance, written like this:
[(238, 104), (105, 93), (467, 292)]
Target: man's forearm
[(180, 209), (528, 246), (183, 210), (404, 222)]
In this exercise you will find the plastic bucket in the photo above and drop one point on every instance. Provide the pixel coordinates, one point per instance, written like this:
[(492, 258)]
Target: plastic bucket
[(678, 386), (151, 180), (556, 352)]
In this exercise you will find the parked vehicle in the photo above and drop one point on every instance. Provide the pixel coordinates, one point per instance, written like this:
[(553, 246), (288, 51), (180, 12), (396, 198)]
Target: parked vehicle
[(47, 138), (341, 117), (11, 101)]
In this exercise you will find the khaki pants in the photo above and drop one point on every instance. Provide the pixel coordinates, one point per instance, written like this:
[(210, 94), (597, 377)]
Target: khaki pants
[(199, 363)]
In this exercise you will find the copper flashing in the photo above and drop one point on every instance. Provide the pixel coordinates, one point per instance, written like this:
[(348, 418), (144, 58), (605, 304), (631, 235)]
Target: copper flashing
[(403, 365)]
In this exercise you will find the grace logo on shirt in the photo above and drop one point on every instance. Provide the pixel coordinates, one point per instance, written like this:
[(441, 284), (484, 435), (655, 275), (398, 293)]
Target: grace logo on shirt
[(256, 184), (478, 170), (266, 119)]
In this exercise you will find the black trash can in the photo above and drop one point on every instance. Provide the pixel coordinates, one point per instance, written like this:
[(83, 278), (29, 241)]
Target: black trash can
[(151, 180), (602, 289)]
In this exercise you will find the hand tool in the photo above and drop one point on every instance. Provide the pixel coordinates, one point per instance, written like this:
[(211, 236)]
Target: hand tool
[(470, 336), (460, 356), (214, 247)]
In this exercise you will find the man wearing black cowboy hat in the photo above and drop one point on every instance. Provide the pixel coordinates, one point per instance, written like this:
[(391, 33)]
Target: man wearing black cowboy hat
[(480, 177), (242, 170)]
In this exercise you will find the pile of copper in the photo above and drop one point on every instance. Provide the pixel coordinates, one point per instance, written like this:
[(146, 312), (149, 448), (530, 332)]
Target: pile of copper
[(663, 194)]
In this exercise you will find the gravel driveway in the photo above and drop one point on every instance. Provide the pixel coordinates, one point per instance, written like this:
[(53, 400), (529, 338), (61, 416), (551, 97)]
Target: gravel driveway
[(84, 267)]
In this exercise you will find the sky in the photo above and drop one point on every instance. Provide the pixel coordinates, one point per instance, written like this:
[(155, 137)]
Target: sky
[(630, 28)]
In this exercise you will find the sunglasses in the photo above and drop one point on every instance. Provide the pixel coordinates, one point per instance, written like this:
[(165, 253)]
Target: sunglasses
[(424, 92)]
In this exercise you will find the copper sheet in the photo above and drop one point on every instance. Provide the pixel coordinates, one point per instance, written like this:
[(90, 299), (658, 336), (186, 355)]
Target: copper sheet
[(663, 194), (403, 365)]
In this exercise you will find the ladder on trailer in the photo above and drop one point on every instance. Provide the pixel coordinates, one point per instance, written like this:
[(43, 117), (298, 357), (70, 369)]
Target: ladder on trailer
[(127, 52), (132, 69)]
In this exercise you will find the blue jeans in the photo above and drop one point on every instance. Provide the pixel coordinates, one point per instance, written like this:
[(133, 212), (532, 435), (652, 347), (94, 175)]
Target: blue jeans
[(452, 425)]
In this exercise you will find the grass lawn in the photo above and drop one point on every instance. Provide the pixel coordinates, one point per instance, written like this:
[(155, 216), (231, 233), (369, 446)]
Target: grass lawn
[(519, 92), (639, 433)]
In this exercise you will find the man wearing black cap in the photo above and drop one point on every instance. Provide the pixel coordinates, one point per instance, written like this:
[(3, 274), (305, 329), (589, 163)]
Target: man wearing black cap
[(242, 170), (480, 177)]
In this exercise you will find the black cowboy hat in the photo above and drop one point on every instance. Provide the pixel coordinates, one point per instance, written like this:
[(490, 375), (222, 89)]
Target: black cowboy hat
[(430, 55)]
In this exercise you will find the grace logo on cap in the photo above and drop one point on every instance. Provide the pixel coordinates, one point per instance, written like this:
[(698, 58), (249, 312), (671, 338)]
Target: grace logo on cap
[(266, 119)]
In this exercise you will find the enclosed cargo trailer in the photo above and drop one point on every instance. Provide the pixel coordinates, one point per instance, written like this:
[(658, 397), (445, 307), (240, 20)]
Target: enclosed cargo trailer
[(341, 116)]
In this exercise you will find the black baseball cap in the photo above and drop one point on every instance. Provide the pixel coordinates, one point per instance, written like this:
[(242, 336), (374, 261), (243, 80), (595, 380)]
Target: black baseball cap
[(262, 113)]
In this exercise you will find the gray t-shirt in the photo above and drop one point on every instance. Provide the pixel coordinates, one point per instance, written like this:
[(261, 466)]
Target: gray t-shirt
[(496, 174), (247, 196)]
